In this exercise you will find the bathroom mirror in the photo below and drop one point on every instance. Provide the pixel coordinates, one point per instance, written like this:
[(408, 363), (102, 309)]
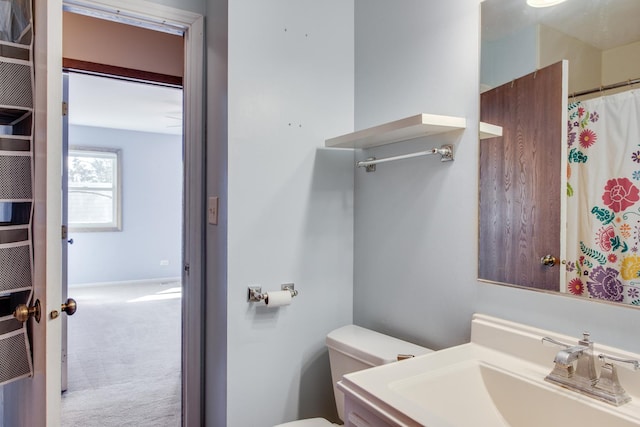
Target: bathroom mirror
[(601, 42)]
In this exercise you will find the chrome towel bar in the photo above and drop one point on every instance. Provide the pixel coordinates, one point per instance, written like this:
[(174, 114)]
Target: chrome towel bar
[(445, 151)]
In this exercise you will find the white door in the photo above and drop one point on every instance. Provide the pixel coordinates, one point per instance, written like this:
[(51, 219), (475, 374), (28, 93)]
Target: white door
[(65, 225), (36, 401)]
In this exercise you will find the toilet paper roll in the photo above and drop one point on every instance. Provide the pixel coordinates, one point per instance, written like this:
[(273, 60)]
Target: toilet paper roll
[(278, 298)]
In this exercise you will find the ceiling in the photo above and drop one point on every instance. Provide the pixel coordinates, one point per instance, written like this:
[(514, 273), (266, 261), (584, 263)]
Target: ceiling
[(601, 23), (120, 104), (111, 103)]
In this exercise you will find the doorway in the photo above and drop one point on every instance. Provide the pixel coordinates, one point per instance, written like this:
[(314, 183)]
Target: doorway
[(124, 245), (124, 164), (37, 401)]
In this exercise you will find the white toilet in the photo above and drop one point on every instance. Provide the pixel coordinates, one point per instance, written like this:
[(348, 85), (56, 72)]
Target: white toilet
[(351, 349)]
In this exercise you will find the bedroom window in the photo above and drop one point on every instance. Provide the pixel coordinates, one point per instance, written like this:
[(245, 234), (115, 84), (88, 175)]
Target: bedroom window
[(94, 189)]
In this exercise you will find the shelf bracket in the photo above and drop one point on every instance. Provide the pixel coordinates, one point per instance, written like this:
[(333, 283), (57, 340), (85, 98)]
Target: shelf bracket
[(371, 167)]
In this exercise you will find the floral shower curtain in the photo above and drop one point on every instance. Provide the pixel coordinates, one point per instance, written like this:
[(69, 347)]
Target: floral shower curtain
[(603, 203)]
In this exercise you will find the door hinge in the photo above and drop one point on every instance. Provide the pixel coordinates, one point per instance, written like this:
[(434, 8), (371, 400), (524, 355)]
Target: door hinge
[(65, 232), (65, 108), (186, 269)]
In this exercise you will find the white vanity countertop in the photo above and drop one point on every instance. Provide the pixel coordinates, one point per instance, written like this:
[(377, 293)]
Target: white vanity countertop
[(405, 392)]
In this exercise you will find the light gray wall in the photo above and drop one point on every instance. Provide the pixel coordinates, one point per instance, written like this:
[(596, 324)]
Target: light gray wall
[(289, 205), (609, 324), (510, 57), (415, 221), (151, 210), (289, 208)]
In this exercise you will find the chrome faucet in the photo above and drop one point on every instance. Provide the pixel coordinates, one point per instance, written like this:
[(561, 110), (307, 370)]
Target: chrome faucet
[(575, 369), (578, 376), (569, 355)]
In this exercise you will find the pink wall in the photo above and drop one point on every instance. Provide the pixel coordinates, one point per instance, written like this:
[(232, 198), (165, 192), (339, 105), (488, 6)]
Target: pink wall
[(100, 41)]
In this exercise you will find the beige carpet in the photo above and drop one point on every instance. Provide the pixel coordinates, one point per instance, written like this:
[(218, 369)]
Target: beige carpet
[(124, 356)]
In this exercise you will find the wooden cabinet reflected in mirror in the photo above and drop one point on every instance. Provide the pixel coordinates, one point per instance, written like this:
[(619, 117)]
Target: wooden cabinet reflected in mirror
[(520, 181)]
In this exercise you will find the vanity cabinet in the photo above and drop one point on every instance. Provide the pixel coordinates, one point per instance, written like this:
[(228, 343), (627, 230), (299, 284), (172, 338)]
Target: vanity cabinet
[(358, 414), (363, 409)]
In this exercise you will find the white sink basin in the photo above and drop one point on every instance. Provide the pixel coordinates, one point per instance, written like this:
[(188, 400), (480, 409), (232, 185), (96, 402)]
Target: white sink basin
[(495, 380), (476, 393)]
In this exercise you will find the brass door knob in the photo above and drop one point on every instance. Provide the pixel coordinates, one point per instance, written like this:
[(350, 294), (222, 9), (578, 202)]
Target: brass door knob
[(69, 307), (548, 260), (23, 312)]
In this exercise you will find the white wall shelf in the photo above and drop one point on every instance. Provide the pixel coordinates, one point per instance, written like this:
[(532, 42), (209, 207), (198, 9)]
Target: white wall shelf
[(487, 130), (417, 126)]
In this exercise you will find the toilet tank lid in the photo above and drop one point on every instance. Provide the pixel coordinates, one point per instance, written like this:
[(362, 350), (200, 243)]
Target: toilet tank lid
[(369, 346)]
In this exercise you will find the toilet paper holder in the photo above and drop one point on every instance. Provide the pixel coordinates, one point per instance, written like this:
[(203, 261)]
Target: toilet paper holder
[(255, 292)]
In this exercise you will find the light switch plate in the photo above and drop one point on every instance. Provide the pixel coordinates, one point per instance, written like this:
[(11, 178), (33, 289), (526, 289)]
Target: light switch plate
[(212, 210)]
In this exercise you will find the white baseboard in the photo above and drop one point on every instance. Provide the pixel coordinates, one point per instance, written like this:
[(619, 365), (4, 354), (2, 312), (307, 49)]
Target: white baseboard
[(130, 282)]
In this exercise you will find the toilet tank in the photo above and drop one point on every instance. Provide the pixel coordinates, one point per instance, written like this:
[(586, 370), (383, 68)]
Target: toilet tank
[(353, 348)]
